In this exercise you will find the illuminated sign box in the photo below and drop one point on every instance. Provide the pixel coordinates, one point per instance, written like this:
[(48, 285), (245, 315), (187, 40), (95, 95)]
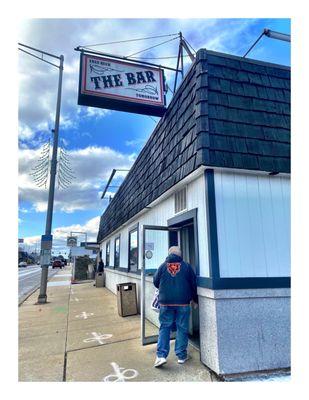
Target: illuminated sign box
[(119, 85)]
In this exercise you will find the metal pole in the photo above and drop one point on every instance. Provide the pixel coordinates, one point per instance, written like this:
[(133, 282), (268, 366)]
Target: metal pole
[(44, 275), (277, 35), (181, 55), (178, 59)]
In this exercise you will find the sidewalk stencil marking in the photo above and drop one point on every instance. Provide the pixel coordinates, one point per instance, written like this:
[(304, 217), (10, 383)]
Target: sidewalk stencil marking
[(120, 376), (74, 299), (98, 337), (84, 315)]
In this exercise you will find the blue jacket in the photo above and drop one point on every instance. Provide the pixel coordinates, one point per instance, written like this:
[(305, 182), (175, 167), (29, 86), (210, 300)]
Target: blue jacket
[(176, 282)]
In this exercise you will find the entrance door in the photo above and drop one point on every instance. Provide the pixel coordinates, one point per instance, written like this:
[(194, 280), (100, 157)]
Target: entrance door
[(187, 246), (155, 250)]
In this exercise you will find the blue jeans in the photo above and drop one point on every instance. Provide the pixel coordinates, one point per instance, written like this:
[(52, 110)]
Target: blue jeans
[(167, 317)]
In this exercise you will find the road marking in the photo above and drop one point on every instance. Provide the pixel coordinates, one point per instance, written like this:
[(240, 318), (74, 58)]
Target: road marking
[(98, 337), (120, 376), (29, 272), (84, 315), (59, 283)]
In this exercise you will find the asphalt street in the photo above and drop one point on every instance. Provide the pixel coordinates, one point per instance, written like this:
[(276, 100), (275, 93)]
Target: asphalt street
[(29, 278)]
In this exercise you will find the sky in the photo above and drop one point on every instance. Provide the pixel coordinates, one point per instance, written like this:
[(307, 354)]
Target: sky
[(98, 140)]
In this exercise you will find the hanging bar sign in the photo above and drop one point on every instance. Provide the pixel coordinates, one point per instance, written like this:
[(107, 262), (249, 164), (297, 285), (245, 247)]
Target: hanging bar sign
[(120, 85)]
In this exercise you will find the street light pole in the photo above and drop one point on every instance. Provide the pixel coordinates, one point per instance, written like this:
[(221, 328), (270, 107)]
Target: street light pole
[(46, 240), (50, 206)]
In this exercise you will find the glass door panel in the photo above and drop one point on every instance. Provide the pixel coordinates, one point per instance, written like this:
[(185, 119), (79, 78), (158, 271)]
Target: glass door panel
[(155, 250)]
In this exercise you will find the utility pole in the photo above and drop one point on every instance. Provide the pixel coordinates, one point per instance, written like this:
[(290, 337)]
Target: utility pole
[(46, 241)]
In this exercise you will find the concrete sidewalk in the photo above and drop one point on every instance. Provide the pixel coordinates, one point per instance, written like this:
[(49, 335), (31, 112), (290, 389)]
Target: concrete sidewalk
[(79, 336)]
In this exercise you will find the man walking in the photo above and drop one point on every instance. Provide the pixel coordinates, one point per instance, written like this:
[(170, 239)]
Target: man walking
[(176, 282)]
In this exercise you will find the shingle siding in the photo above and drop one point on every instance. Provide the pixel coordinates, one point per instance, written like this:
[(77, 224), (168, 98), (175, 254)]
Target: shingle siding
[(228, 112)]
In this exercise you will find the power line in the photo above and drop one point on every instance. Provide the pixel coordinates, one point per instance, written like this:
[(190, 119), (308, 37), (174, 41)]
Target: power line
[(158, 58), (152, 119), (130, 40), (152, 47)]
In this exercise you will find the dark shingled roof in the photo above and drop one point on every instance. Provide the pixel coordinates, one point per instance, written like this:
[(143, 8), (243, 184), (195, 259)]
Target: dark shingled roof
[(228, 112)]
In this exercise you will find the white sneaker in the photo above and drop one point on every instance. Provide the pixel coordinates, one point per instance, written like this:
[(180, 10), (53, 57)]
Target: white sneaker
[(159, 361), (182, 361)]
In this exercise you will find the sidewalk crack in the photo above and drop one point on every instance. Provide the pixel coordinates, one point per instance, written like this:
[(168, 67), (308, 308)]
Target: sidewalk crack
[(100, 345), (66, 340)]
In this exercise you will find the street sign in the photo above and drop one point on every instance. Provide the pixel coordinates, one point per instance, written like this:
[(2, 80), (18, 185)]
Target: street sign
[(120, 85), (46, 242), (45, 257), (72, 241)]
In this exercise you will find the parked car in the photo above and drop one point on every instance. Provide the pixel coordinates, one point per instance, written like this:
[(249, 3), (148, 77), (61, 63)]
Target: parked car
[(22, 264), (61, 258), (57, 264)]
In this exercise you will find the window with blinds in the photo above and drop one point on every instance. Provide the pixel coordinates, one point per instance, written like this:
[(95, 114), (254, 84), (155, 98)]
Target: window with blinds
[(181, 200)]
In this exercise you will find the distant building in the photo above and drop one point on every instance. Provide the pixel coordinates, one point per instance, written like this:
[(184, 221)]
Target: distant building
[(214, 178)]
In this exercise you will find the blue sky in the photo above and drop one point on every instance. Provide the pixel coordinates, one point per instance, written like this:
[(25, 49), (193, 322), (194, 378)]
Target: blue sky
[(95, 140)]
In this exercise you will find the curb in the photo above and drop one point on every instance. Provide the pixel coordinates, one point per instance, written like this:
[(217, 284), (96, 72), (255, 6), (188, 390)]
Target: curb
[(31, 292), (28, 295)]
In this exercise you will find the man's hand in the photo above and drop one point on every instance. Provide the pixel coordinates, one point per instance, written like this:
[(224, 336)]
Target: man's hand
[(194, 305)]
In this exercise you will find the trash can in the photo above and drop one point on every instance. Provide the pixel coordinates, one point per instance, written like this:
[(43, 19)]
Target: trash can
[(126, 299), (100, 279)]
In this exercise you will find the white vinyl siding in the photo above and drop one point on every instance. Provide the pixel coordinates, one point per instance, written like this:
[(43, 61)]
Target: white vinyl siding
[(159, 214), (253, 222)]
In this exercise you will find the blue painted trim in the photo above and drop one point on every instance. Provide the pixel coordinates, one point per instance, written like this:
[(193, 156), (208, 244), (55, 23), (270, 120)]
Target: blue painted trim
[(244, 283), (211, 216)]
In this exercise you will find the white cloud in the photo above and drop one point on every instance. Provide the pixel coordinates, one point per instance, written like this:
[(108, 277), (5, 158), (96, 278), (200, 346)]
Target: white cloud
[(25, 132), (61, 233), (136, 143), (92, 112)]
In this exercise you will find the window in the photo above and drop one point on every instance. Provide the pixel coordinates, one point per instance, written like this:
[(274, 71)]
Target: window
[(107, 254), (117, 252), (133, 249), (181, 200)]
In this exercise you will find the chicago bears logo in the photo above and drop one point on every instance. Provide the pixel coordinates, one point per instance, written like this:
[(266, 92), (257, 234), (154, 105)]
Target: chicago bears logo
[(173, 268)]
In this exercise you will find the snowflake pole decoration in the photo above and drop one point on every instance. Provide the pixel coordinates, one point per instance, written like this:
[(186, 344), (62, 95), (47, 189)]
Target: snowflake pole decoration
[(40, 171), (65, 172)]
